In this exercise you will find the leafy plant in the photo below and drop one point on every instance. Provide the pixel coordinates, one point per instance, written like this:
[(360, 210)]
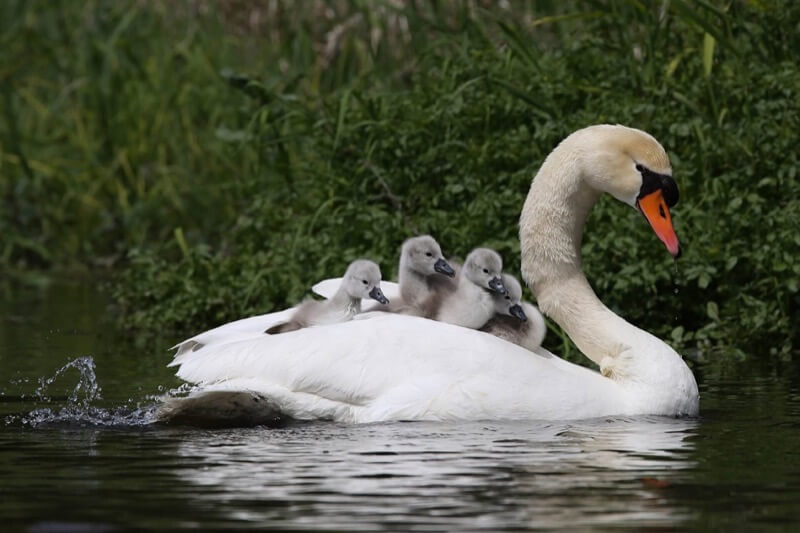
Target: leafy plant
[(226, 166)]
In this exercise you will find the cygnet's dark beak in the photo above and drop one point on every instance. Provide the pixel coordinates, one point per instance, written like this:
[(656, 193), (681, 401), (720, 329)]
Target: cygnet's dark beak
[(377, 294), (442, 267), (517, 312), (496, 284)]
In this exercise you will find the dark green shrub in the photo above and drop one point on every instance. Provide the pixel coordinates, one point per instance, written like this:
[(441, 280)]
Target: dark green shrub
[(302, 170)]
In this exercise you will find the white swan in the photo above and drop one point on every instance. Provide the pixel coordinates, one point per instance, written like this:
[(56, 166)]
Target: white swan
[(390, 367)]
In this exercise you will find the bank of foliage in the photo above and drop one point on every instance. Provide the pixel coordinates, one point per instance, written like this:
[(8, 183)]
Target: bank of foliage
[(223, 167)]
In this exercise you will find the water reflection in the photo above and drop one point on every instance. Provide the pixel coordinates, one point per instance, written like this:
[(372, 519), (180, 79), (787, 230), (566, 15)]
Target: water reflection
[(465, 475), (73, 459)]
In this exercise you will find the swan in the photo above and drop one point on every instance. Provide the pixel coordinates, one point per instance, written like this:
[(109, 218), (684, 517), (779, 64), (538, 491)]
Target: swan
[(471, 304), (396, 367), (514, 320), (361, 280)]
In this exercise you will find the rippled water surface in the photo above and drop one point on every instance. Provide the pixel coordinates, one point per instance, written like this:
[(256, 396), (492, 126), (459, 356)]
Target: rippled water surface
[(78, 451)]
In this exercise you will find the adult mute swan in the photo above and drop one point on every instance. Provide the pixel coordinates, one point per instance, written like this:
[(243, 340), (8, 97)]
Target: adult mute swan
[(392, 367)]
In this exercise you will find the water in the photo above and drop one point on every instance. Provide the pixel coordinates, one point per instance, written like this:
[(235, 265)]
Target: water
[(79, 451)]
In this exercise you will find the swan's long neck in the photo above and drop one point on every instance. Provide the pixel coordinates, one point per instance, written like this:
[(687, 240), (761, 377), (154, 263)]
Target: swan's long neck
[(551, 230)]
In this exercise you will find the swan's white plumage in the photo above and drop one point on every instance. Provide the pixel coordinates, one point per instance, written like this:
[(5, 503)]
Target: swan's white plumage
[(384, 366), (390, 367), (245, 328)]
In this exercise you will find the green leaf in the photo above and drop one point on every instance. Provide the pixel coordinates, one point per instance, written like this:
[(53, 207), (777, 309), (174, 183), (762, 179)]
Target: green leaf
[(708, 53), (712, 311)]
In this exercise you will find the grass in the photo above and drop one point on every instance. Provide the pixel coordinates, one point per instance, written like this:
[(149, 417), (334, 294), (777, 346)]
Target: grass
[(221, 157)]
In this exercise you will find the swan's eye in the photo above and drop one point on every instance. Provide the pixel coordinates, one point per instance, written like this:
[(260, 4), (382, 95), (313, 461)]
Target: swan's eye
[(364, 281), (485, 270), (429, 254), (639, 167), (508, 297)]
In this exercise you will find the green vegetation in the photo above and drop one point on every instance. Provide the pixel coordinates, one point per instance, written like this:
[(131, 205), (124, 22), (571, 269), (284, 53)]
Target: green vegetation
[(222, 157)]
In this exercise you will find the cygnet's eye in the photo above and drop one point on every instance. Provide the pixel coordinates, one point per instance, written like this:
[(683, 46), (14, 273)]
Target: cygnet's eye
[(508, 297), (429, 254), (639, 167), (364, 282), (485, 270)]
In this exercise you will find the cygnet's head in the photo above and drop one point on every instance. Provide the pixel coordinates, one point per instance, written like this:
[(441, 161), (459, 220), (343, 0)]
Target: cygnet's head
[(633, 167), (363, 280), (508, 303), (424, 256), (483, 268)]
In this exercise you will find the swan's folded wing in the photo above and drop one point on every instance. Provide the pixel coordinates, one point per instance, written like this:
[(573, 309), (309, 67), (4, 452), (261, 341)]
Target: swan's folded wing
[(393, 367), (245, 328)]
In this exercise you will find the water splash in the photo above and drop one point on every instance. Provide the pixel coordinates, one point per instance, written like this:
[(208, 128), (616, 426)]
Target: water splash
[(86, 383), (80, 410)]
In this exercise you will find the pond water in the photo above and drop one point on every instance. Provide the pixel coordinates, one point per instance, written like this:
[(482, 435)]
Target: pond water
[(78, 451)]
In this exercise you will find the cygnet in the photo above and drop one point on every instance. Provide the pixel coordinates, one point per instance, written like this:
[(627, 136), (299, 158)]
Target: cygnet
[(422, 274), (514, 320), (361, 280), (472, 304)]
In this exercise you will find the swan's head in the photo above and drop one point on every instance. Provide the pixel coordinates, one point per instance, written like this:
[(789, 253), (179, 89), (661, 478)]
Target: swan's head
[(363, 280), (483, 267), (509, 303), (633, 167), (423, 255)]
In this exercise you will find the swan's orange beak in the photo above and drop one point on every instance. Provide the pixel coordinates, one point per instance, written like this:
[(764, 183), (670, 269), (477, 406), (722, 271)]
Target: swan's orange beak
[(655, 210)]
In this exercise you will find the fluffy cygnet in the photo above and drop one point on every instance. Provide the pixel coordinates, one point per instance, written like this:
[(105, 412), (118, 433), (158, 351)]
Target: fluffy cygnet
[(514, 320), (362, 280), (423, 272), (471, 305)]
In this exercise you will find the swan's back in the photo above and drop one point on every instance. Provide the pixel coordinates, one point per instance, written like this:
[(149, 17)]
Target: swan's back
[(391, 367)]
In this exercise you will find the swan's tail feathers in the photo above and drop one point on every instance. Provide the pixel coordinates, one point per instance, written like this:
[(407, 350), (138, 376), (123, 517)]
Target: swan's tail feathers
[(187, 346), (246, 328), (220, 409)]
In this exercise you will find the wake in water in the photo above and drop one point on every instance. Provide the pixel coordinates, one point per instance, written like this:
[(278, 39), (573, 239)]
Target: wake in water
[(79, 409)]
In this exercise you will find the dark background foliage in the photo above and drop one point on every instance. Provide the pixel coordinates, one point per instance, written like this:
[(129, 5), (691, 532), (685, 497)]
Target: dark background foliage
[(217, 158)]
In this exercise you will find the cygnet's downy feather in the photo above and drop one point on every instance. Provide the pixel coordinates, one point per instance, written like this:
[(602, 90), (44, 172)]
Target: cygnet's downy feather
[(423, 272), (362, 280), (516, 321), (471, 305)]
